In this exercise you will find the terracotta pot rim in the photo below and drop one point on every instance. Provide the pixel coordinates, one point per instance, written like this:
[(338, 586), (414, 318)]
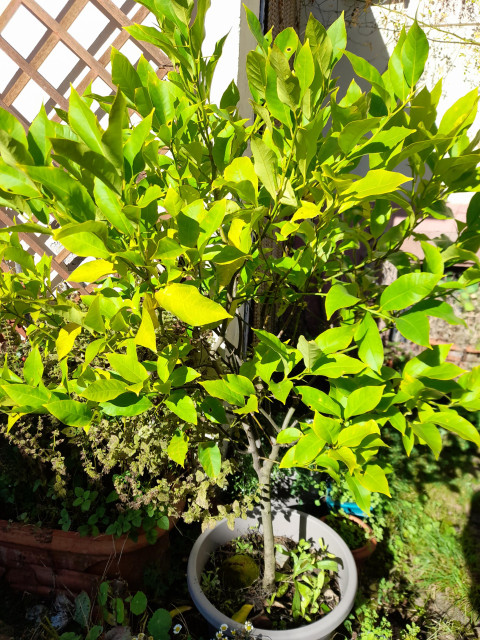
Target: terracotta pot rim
[(46, 537), (369, 547)]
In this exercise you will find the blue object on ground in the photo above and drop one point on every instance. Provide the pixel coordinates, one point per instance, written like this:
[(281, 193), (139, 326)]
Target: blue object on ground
[(351, 508)]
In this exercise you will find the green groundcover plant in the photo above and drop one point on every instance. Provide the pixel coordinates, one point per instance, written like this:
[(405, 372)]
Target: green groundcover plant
[(190, 233)]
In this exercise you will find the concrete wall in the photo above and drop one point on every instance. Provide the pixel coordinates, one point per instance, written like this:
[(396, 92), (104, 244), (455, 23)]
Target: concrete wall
[(373, 29)]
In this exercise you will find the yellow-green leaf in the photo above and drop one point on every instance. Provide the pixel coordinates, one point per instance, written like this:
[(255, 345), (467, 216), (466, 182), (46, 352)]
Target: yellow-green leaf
[(178, 447), (92, 271), (375, 183), (66, 339), (146, 332), (188, 304)]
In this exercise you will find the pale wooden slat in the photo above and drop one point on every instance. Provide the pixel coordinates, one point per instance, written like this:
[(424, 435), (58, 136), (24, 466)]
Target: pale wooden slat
[(43, 49), (33, 73), (68, 40), (9, 12), (123, 21)]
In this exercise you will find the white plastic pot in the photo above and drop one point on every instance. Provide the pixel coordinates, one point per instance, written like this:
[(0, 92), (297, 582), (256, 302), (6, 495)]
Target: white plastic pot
[(291, 524)]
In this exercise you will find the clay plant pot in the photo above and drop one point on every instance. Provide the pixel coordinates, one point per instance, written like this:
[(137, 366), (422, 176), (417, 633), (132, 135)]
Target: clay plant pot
[(292, 524), (44, 560), (362, 553)]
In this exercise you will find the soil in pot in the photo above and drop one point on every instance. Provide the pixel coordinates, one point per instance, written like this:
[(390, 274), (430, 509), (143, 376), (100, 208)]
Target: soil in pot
[(307, 586)]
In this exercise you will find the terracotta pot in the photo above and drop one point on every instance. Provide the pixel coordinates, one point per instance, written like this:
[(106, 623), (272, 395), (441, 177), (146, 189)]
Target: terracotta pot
[(44, 560), (362, 553)]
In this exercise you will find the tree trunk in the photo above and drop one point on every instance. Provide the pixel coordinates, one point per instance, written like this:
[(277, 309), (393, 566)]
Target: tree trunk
[(268, 538)]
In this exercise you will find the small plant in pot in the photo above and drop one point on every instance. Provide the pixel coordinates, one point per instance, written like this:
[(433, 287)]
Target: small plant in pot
[(188, 235)]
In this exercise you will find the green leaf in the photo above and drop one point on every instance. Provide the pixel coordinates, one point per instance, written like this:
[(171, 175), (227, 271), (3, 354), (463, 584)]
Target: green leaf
[(309, 350), (71, 195), (178, 447), (138, 603), (376, 183), (455, 423), (112, 139), (240, 384), (110, 206), (230, 96), (146, 332), (241, 172), (395, 68), (256, 28), (138, 136), (94, 320), (281, 390), (128, 365), (433, 258), (214, 410), (94, 633), (82, 240), (265, 162), (335, 339), (374, 479), (362, 496), (93, 349), (414, 326), (429, 433), (304, 67), (71, 413), (288, 435), (168, 249), (104, 390), (25, 395), (345, 455), (459, 115), (370, 345), (126, 405), (188, 304), (308, 448), (365, 70), (28, 227), (183, 375), (84, 123), (353, 436), (210, 458), (338, 298), (182, 405), (319, 401), (91, 271), (338, 365), (92, 161), (82, 609), (326, 428), (222, 390), (363, 400), (124, 75), (33, 367), (66, 339), (354, 131), (338, 37), (15, 181), (414, 54), (197, 31), (407, 290)]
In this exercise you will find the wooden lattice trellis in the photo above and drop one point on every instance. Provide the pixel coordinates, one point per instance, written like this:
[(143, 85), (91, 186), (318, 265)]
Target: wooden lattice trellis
[(91, 65)]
